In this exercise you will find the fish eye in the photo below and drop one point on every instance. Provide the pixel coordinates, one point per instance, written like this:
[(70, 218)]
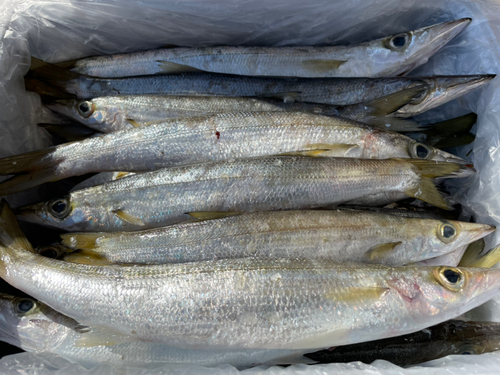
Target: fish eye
[(399, 42), (85, 108), (451, 278), (24, 305), (420, 151), (447, 232), (59, 208), (49, 252)]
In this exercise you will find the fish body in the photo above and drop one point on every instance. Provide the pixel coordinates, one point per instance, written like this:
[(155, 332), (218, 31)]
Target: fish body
[(164, 197), (213, 137), (35, 327), (112, 113), (390, 56), (448, 338), (340, 235)]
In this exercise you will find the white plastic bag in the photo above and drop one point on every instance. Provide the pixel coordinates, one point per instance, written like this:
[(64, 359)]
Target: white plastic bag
[(58, 30)]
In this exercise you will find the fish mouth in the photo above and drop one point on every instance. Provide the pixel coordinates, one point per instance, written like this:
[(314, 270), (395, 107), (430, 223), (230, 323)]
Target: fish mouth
[(442, 90)]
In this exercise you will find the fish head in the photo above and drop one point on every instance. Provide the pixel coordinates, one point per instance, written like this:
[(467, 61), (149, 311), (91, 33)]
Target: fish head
[(418, 150), (31, 325), (61, 213), (392, 144), (473, 337), (401, 53), (444, 236), (435, 294), (441, 90), (92, 113)]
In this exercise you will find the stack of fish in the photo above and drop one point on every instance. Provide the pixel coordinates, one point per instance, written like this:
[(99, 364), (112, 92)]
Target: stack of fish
[(218, 229)]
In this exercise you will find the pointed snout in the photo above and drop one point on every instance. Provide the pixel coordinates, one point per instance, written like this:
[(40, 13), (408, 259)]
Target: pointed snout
[(441, 33), (477, 231)]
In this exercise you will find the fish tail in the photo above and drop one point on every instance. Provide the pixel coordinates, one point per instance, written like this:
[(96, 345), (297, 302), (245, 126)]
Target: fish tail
[(13, 242), (29, 169), (454, 132), (473, 253), (487, 260), (48, 79), (426, 189), (454, 126)]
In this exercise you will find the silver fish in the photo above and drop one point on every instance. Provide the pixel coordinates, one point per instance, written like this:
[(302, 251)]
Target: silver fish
[(35, 327), (213, 137), (51, 80), (390, 56), (164, 197), (339, 235), (112, 113), (245, 303)]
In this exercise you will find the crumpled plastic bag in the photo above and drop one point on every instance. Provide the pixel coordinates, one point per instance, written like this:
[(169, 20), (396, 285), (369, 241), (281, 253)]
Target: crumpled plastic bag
[(57, 30)]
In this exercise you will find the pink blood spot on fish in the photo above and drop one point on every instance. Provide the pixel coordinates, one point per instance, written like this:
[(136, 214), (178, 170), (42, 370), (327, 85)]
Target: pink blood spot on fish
[(217, 134)]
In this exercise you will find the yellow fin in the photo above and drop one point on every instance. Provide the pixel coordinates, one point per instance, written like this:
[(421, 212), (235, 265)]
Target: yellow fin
[(101, 337), (11, 235), (123, 174), (489, 259), (338, 149), (310, 153), (78, 241), (379, 252), (89, 257), (472, 254), (322, 66), (134, 123), (427, 192), (209, 215), (171, 67), (128, 218), (356, 294)]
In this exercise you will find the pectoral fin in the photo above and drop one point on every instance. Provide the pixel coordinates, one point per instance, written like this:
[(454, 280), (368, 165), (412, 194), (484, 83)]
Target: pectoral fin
[(128, 218), (134, 123), (332, 150), (379, 252)]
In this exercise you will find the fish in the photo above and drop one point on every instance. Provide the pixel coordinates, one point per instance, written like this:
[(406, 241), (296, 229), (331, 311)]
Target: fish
[(212, 137), (454, 337), (51, 81), (340, 235), (112, 113), (35, 327), (249, 303), (167, 196), (389, 56)]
